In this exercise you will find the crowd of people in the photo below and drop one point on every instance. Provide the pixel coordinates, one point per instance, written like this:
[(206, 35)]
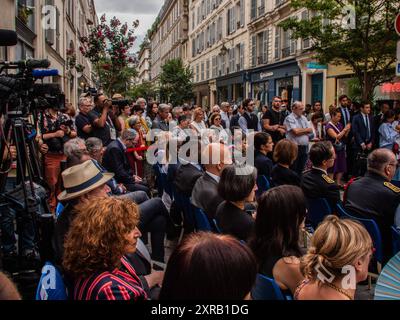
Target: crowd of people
[(97, 165)]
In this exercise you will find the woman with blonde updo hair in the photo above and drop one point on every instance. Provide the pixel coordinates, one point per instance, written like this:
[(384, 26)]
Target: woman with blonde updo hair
[(337, 260)]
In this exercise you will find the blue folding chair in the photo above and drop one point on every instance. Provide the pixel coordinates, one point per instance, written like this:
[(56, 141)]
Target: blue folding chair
[(395, 239), (318, 209), (373, 230), (266, 289), (263, 185), (217, 228), (341, 210), (51, 284), (202, 223), (59, 209)]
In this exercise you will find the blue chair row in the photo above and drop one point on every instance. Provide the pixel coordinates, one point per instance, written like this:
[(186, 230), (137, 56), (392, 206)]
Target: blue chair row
[(396, 239), (318, 209), (267, 289), (263, 185)]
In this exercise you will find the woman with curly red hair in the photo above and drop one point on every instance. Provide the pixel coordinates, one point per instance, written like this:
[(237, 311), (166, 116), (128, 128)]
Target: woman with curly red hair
[(95, 249)]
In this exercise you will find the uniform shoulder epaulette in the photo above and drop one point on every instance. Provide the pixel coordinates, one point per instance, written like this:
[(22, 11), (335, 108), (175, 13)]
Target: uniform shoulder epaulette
[(327, 179), (392, 187)]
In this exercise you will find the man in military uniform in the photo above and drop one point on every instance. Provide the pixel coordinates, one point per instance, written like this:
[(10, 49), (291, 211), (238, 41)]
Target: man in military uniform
[(315, 182), (374, 197)]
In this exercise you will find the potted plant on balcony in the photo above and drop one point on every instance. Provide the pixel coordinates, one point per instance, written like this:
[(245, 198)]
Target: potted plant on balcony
[(79, 68), (24, 12), (71, 58)]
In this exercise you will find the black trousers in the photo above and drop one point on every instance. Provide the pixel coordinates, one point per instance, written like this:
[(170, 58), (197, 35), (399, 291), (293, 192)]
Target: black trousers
[(301, 160)]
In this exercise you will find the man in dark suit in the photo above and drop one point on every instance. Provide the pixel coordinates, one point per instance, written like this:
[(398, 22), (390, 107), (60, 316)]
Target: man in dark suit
[(316, 183), (345, 119), (364, 136), (374, 197), (205, 194), (116, 161), (235, 118)]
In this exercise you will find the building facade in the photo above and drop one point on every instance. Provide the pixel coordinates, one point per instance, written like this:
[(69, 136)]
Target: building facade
[(168, 40), (144, 64), (50, 29)]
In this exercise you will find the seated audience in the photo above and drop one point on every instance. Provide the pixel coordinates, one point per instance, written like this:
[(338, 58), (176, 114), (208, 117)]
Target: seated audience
[(374, 197), (205, 191), (316, 183), (280, 217), (285, 153), (263, 145), (209, 266), (388, 134), (236, 188), (100, 237), (115, 160), (336, 261)]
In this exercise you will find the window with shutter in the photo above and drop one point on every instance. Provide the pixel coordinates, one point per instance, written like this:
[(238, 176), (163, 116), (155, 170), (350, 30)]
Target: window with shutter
[(208, 69), (293, 44), (253, 13), (50, 33), (241, 57), (241, 13), (265, 46), (306, 42), (253, 51), (277, 43), (214, 66)]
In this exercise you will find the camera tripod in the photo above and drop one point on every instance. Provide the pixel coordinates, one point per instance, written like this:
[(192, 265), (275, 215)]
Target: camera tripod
[(22, 135)]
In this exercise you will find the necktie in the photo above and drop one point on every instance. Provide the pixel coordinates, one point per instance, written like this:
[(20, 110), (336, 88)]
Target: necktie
[(367, 125)]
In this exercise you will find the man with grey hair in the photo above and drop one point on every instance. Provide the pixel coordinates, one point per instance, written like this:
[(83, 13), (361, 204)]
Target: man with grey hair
[(116, 161), (300, 132), (176, 113), (375, 197), (74, 144), (161, 122), (142, 103), (82, 122), (225, 116)]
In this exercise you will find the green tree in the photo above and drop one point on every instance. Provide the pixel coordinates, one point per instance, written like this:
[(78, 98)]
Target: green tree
[(107, 47), (145, 90), (359, 34), (176, 84)]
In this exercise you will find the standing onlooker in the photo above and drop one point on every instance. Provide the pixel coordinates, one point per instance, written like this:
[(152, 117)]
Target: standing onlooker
[(346, 119), (161, 122), (103, 120), (125, 112), (176, 113), (364, 137), (285, 153), (262, 111), (273, 121), (388, 134), (237, 113), (151, 113), (56, 128), (378, 120), (219, 131), (337, 135), (180, 131), (225, 115), (298, 131), (280, 217), (82, 121), (248, 120)]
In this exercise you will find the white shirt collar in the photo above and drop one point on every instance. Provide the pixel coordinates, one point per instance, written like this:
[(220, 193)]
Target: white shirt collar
[(215, 177), (320, 169)]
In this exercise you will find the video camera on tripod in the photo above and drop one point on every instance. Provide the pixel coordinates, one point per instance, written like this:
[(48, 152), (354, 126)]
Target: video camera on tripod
[(21, 97)]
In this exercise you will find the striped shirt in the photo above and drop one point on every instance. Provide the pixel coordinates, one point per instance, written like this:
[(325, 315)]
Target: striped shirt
[(120, 284)]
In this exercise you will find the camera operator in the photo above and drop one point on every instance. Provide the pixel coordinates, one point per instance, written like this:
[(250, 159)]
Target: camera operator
[(82, 121), (56, 128), (104, 120)]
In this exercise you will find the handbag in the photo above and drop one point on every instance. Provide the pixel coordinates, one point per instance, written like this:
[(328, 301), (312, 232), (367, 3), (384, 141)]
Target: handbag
[(338, 145)]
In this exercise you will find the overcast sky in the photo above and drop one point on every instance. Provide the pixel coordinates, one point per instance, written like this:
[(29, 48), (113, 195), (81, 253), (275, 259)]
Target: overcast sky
[(145, 11)]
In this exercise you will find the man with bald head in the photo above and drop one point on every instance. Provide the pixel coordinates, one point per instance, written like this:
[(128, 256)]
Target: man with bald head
[(374, 197), (205, 195)]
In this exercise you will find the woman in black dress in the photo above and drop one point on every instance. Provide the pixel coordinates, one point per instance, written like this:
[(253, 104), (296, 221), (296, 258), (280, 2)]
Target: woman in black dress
[(285, 153), (237, 187)]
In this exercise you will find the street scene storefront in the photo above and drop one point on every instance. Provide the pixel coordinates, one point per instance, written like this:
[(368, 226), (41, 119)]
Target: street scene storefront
[(281, 79), (231, 88)]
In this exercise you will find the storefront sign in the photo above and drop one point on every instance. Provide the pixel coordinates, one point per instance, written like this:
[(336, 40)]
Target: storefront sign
[(391, 87), (264, 75), (314, 65)]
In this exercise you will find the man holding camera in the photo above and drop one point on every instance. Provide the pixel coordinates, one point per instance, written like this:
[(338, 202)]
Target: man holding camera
[(56, 128), (104, 120)]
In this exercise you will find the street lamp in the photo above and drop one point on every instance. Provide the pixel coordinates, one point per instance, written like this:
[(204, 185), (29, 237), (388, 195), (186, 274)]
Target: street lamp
[(223, 51)]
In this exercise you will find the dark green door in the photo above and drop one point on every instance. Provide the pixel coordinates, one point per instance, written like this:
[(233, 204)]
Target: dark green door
[(317, 87)]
